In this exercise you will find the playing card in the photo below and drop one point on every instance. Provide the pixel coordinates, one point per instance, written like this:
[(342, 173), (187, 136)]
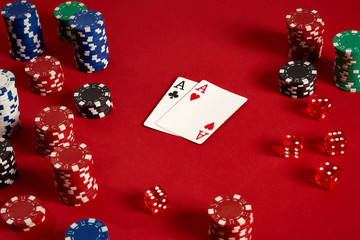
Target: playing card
[(179, 88), (201, 112)]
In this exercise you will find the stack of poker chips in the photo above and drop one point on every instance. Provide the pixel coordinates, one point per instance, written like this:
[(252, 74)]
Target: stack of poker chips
[(297, 79), (305, 34), (53, 126), (90, 41), (231, 217), (45, 75), (23, 212), (8, 167), (62, 14), (89, 228), (347, 61), (9, 105), (73, 172), (24, 30), (93, 100)]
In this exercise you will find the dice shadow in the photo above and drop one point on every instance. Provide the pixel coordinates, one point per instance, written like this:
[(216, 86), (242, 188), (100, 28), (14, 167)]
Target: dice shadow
[(194, 221), (298, 107), (305, 175), (136, 202), (275, 148), (315, 145)]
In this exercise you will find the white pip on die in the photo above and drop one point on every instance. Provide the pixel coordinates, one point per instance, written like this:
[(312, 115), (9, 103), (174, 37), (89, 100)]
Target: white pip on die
[(156, 200)]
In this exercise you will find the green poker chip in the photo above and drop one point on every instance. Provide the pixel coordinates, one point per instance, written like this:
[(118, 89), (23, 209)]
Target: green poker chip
[(65, 10), (347, 61), (62, 14)]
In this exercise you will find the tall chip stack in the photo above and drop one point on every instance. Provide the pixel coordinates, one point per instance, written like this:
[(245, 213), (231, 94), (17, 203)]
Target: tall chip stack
[(231, 217), (23, 213), (347, 61), (45, 75), (73, 170), (8, 167), (297, 79), (24, 30), (53, 126), (62, 14), (91, 48), (305, 34), (9, 105)]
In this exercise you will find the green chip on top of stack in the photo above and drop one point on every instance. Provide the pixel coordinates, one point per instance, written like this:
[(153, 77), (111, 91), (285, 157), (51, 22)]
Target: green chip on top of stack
[(347, 61), (62, 14)]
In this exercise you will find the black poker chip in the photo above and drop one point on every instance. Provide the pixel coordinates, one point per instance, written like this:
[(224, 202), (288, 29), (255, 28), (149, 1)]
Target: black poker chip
[(8, 166), (93, 100), (297, 79)]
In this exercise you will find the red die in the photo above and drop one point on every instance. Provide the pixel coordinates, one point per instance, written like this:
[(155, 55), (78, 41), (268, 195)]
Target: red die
[(327, 175), (292, 146), (319, 107), (335, 143), (156, 200)]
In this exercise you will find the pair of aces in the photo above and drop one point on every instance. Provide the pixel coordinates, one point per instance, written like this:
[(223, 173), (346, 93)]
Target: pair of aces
[(193, 110)]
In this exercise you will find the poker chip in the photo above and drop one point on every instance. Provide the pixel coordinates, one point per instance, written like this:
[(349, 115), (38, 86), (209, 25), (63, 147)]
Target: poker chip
[(8, 167), (73, 172), (9, 105), (89, 229), (91, 49), (24, 30), (231, 218), (62, 14), (45, 75), (53, 126), (93, 100), (23, 212), (297, 79), (305, 34), (347, 61)]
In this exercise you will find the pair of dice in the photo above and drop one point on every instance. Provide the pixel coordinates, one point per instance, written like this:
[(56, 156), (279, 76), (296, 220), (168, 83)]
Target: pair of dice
[(327, 175), (319, 107), (335, 144), (156, 199)]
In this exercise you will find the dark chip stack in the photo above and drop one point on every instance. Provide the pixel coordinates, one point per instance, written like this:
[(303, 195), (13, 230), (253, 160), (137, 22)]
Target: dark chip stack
[(8, 167), (93, 100), (297, 79)]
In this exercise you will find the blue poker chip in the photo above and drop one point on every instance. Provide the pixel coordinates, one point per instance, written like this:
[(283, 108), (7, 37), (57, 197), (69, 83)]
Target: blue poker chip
[(86, 20), (18, 10), (87, 229)]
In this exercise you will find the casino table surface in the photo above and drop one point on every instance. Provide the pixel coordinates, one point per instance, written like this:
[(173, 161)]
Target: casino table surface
[(237, 45)]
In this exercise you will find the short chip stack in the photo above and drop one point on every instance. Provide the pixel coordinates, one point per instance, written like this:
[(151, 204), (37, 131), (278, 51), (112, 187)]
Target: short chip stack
[(23, 212), (231, 217), (347, 61), (9, 105), (45, 75), (90, 41), (73, 171), (305, 34), (8, 167), (297, 79), (24, 30), (53, 126), (62, 14), (93, 100), (89, 228)]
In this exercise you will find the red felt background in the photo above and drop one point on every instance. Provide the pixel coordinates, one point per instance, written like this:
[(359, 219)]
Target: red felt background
[(237, 45)]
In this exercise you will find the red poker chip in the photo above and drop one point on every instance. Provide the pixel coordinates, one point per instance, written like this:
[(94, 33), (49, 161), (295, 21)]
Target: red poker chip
[(23, 212), (230, 210), (43, 66), (54, 118), (303, 19)]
